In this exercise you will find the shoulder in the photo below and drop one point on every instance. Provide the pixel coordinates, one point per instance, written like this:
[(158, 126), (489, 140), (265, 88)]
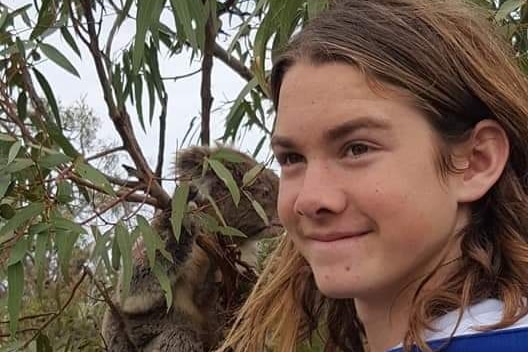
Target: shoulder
[(467, 336)]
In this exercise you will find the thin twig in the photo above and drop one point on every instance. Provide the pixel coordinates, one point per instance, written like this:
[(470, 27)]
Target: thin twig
[(110, 206), (104, 153), (175, 78)]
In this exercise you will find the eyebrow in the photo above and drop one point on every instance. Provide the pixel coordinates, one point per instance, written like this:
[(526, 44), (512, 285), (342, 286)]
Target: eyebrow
[(339, 131)]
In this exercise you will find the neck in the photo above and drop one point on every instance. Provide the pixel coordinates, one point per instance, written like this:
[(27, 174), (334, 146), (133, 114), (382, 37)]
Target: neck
[(386, 318), (385, 321)]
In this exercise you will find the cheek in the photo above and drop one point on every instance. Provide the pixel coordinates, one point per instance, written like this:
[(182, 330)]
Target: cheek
[(285, 203)]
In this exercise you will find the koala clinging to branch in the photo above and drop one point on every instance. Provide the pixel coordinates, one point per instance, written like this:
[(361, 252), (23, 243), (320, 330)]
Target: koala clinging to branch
[(208, 273)]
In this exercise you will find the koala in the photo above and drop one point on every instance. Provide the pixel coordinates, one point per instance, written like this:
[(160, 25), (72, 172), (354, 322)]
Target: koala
[(209, 273)]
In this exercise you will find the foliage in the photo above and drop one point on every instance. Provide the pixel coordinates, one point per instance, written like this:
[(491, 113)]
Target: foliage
[(68, 219)]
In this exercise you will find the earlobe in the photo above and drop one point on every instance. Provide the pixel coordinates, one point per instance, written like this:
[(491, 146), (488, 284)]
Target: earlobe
[(486, 152)]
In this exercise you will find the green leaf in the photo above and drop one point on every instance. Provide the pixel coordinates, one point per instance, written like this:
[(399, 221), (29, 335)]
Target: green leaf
[(7, 138), (22, 216), (165, 283), (50, 97), (148, 14), (50, 161), (67, 225), (64, 192), (225, 154), (41, 246), (16, 166), (236, 107), (152, 241), (57, 57), (507, 8), (15, 282), (45, 19), (182, 16), (116, 255), (251, 175), (18, 251), (206, 222), (231, 232), (13, 151), (260, 211), (244, 27), (5, 180), (179, 206), (69, 39), (65, 242), (101, 246), (225, 175), (125, 247), (216, 209), (96, 177), (57, 135), (138, 94)]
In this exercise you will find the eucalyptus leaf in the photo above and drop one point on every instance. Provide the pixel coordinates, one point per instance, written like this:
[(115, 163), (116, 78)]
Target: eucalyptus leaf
[(15, 283), (231, 232), (48, 92), (165, 283), (179, 207), (125, 247), (94, 176), (69, 39), (18, 251), (65, 242), (225, 154), (57, 57), (152, 240), (251, 175), (13, 151), (225, 175)]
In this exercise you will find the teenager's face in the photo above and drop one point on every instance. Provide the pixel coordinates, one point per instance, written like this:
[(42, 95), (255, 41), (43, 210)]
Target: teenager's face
[(360, 194)]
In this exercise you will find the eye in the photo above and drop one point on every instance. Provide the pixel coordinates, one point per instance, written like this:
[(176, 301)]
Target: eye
[(355, 150), (286, 159)]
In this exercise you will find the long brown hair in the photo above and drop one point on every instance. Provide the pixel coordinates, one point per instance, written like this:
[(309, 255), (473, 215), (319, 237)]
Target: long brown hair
[(459, 72)]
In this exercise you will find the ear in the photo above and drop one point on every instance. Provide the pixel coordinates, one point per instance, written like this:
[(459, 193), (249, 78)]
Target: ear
[(485, 156)]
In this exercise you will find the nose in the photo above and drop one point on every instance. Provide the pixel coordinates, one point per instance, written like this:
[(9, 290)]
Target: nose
[(320, 194)]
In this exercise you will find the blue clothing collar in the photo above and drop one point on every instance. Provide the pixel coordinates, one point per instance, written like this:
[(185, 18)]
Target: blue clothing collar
[(467, 338)]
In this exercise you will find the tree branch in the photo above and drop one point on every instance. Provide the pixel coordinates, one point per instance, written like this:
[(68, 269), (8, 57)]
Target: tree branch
[(136, 198), (207, 69), (237, 66), (120, 117), (104, 153)]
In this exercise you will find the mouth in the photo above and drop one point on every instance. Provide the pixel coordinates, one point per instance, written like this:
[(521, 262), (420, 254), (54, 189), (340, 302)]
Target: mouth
[(338, 236)]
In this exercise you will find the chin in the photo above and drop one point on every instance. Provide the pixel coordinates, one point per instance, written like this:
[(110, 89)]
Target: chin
[(336, 290)]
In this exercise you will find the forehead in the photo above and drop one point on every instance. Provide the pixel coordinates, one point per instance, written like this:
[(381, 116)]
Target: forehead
[(317, 97)]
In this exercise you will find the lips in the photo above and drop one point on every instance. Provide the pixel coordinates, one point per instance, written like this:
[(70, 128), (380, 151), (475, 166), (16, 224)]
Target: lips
[(337, 236)]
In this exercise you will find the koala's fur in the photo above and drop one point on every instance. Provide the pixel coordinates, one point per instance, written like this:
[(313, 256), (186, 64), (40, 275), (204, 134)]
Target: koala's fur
[(205, 269)]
